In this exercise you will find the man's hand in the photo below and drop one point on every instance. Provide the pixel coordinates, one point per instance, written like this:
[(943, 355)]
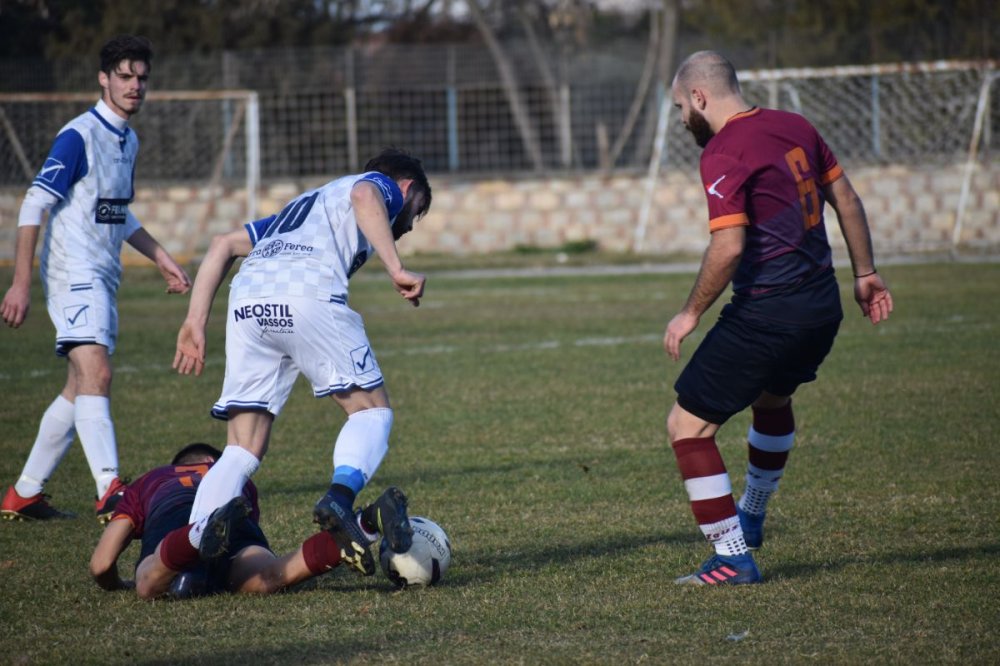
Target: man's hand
[(679, 328), (873, 296), (15, 306), (177, 278), (190, 354), (409, 285)]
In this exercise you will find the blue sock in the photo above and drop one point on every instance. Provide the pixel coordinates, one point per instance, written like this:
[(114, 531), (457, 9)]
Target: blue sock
[(347, 483)]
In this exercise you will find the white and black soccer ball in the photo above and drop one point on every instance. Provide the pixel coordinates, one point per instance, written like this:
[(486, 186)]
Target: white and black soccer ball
[(425, 562)]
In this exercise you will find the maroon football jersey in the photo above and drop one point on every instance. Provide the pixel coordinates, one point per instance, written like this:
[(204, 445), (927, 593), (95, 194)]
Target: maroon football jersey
[(765, 169), (165, 486)]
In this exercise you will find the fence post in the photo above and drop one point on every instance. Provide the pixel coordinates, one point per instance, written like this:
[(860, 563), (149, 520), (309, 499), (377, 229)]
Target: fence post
[(252, 129), (452, 100), (351, 104), (876, 118)]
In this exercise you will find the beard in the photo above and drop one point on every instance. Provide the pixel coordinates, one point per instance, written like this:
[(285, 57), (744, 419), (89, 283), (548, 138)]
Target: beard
[(700, 128)]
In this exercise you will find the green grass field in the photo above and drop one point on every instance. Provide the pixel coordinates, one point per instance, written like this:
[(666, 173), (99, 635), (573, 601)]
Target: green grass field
[(529, 423)]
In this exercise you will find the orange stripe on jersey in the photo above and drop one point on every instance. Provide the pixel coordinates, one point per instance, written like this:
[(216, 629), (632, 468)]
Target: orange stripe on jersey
[(726, 221), (122, 516), (831, 175)]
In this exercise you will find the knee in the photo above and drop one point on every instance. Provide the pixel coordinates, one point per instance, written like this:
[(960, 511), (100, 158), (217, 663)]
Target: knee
[(145, 590), (682, 424), (770, 401), (97, 381), (673, 423)]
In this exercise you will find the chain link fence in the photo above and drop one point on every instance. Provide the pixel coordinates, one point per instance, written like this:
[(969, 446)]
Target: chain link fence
[(324, 111)]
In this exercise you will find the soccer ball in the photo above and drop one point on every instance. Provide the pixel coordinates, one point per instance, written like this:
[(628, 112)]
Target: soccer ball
[(426, 560)]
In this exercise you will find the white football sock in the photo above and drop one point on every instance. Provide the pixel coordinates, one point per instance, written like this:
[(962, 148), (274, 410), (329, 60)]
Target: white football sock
[(223, 482), (761, 484), (55, 436), (97, 435), (727, 537), (364, 440)]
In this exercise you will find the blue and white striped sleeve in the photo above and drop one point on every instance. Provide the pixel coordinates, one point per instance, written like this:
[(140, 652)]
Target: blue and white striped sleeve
[(65, 165), (258, 228)]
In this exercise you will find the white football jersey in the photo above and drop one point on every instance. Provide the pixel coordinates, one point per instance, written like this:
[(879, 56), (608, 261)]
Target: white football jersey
[(90, 169), (313, 246)]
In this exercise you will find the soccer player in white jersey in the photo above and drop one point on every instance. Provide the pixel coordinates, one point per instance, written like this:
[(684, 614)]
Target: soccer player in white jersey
[(85, 186), (287, 315)]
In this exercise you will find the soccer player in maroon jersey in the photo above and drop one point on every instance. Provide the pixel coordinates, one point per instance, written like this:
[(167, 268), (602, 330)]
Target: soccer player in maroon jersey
[(234, 556), (767, 175)]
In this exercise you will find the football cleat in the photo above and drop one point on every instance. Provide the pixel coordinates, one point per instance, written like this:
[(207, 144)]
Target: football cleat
[(105, 506), (36, 507), (753, 528), (387, 514), (342, 525), (720, 570), (220, 527)]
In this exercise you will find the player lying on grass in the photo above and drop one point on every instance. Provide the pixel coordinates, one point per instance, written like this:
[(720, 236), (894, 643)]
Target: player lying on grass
[(234, 554)]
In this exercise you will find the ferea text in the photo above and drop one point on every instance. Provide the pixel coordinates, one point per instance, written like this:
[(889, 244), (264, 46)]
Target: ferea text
[(268, 314)]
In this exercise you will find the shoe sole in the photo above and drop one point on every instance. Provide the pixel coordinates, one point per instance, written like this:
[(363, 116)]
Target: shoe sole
[(353, 545), (398, 532), (14, 516), (215, 539)]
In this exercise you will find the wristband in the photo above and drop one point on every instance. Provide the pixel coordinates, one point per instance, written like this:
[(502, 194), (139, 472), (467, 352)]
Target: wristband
[(865, 275)]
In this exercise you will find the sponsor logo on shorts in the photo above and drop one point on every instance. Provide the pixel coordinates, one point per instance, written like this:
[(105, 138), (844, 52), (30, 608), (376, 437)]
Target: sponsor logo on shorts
[(363, 360), (76, 315), (271, 317)]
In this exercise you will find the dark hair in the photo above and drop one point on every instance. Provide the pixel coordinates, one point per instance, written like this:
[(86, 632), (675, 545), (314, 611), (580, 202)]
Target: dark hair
[(125, 47), (194, 452), (400, 165)]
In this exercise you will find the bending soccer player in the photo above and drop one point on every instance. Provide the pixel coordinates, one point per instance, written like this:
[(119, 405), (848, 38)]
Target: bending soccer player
[(85, 186), (234, 556), (288, 314), (767, 175)]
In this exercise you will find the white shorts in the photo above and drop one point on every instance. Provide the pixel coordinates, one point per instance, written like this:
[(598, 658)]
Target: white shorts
[(270, 341), (85, 315)]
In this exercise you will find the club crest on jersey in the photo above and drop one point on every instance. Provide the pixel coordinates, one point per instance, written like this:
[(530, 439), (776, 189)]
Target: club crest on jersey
[(271, 317)]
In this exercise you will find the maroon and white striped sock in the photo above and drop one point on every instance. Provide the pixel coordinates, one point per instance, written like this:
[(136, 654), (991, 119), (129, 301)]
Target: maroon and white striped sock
[(768, 443), (711, 494)]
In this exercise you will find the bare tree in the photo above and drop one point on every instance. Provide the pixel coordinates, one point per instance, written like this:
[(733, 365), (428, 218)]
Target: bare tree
[(669, 19), (512, 90)]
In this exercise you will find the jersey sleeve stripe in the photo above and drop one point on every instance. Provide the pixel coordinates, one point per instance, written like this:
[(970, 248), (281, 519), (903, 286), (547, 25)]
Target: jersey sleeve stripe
[(726, 221), (831, 175)]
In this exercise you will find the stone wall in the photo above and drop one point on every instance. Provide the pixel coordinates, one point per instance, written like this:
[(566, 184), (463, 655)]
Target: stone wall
[(910, 209)]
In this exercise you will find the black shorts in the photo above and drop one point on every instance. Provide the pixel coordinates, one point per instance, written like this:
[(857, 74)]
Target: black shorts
[(739, 359), (164, 520)]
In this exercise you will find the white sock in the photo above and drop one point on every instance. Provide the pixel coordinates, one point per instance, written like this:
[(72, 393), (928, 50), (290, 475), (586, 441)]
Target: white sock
[(761, 484), (97, 435), (727, 537), (55, 436), (364, 440), (223, 482)]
